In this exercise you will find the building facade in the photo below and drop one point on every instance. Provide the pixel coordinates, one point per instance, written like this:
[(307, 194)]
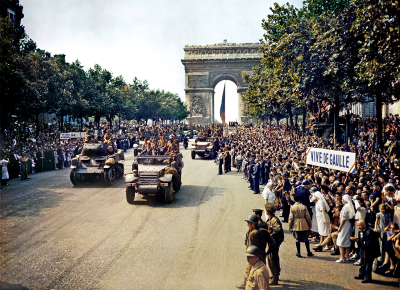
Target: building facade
[(13, 10)]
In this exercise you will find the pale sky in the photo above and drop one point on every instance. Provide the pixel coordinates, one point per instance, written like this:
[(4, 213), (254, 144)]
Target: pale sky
[(145, 38)]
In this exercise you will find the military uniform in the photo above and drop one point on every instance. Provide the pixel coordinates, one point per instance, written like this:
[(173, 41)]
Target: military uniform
[(299, 221), (258, 278), (161, 144), (276, 231), (108, 137), (251, 238)]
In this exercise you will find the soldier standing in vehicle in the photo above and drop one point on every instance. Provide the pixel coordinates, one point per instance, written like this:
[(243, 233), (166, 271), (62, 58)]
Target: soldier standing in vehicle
[(162, 145), (108, 137), (176, 144)]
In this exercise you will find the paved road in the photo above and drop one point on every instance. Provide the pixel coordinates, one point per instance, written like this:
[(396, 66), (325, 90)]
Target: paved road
[(56, 236)]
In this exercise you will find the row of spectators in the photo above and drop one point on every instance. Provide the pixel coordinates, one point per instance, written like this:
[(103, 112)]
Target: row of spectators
[(36, 148), (336, 200)]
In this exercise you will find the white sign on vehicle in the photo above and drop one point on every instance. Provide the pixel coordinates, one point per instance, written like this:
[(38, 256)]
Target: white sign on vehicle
[(72, 135)]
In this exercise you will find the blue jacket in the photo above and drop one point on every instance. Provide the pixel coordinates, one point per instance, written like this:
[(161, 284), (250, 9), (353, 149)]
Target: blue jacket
[(256, 172), (287, 186), (304, 196)]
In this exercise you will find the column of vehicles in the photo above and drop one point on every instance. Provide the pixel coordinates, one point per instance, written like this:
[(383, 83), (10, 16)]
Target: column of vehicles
[(160, 175)]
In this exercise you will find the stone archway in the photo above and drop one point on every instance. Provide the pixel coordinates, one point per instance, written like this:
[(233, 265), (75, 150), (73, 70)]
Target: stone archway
[(205, 66)]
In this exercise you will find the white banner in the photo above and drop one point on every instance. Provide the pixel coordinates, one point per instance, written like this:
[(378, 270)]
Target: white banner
[(72, 135), (338, 160)]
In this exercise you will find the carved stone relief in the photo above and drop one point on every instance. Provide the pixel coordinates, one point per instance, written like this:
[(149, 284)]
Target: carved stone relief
[(197, 81), (236, 75), (197, 106)]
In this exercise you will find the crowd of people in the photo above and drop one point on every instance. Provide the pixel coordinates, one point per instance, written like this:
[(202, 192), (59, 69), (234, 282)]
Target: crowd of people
[(354, 215), (27, 148)]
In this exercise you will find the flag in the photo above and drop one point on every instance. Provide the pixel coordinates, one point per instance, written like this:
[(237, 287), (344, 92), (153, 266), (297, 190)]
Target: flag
[(222, 109)]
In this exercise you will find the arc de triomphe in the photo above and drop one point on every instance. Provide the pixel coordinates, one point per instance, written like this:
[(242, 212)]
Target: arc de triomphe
[(206, 66)]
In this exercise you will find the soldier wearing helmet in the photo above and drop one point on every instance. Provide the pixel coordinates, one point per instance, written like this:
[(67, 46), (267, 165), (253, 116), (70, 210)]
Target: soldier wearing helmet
[(258, 277), (251, 238)]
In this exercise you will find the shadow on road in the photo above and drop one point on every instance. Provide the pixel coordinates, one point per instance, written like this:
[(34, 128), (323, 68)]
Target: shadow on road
[(188, 196), (291, 284), (8, 286), (31, 198)]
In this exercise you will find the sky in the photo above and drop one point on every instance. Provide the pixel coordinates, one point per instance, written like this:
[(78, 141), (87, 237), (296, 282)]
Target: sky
[(145, 39)]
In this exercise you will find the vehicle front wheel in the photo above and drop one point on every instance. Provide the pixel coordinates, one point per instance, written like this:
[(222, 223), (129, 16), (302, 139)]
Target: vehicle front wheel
[(168, 194), (130, 194)]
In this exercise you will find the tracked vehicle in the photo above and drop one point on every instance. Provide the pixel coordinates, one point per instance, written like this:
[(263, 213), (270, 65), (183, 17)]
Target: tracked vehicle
[(98, 161), (159, 175)]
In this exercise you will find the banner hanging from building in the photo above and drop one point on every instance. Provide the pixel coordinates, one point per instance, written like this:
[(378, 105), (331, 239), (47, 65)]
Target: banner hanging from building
[(338, 160), (72, 135)]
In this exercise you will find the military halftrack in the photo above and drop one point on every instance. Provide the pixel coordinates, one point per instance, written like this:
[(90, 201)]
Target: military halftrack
[(159, 175), (97, 161), (204, 147)]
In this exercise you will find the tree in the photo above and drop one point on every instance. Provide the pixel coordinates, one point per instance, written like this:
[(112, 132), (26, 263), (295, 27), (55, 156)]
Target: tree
[(11, 76), (378, 23), (37, 89)]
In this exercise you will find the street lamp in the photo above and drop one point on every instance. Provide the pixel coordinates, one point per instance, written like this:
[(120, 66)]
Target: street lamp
[(348, 102)]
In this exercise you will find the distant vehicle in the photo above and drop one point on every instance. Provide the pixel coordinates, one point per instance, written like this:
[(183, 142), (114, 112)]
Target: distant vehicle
[(98, 161), (159, 175), (188, 133), (204, 147)]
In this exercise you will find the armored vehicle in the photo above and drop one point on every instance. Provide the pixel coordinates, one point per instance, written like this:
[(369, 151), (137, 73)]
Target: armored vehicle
[(204, 147), (159, 175), (98, 161)]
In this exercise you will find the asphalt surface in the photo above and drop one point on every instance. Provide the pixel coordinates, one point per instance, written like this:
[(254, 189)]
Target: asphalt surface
[(56, 236)]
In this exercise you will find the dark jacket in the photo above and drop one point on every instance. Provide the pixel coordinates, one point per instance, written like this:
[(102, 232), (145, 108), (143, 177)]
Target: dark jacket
[(304, 196), (368, 240)]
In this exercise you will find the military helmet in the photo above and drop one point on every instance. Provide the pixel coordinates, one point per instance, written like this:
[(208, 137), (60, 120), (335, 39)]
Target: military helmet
[(270, 207), (253, 251), (306, 182), (298, 183), (252, 218), (293, 181)]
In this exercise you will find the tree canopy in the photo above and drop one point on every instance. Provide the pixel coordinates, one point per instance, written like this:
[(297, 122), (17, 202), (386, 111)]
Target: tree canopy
[(326, 50), (34, 82)]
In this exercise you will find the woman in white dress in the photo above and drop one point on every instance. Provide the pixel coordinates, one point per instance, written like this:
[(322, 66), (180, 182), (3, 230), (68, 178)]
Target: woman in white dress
[(268, 194), (345, 229), (4, 171), (321, 214)]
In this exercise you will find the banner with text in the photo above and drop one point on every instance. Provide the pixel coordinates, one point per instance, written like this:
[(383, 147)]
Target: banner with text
[(72, 135), (338, 160)]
